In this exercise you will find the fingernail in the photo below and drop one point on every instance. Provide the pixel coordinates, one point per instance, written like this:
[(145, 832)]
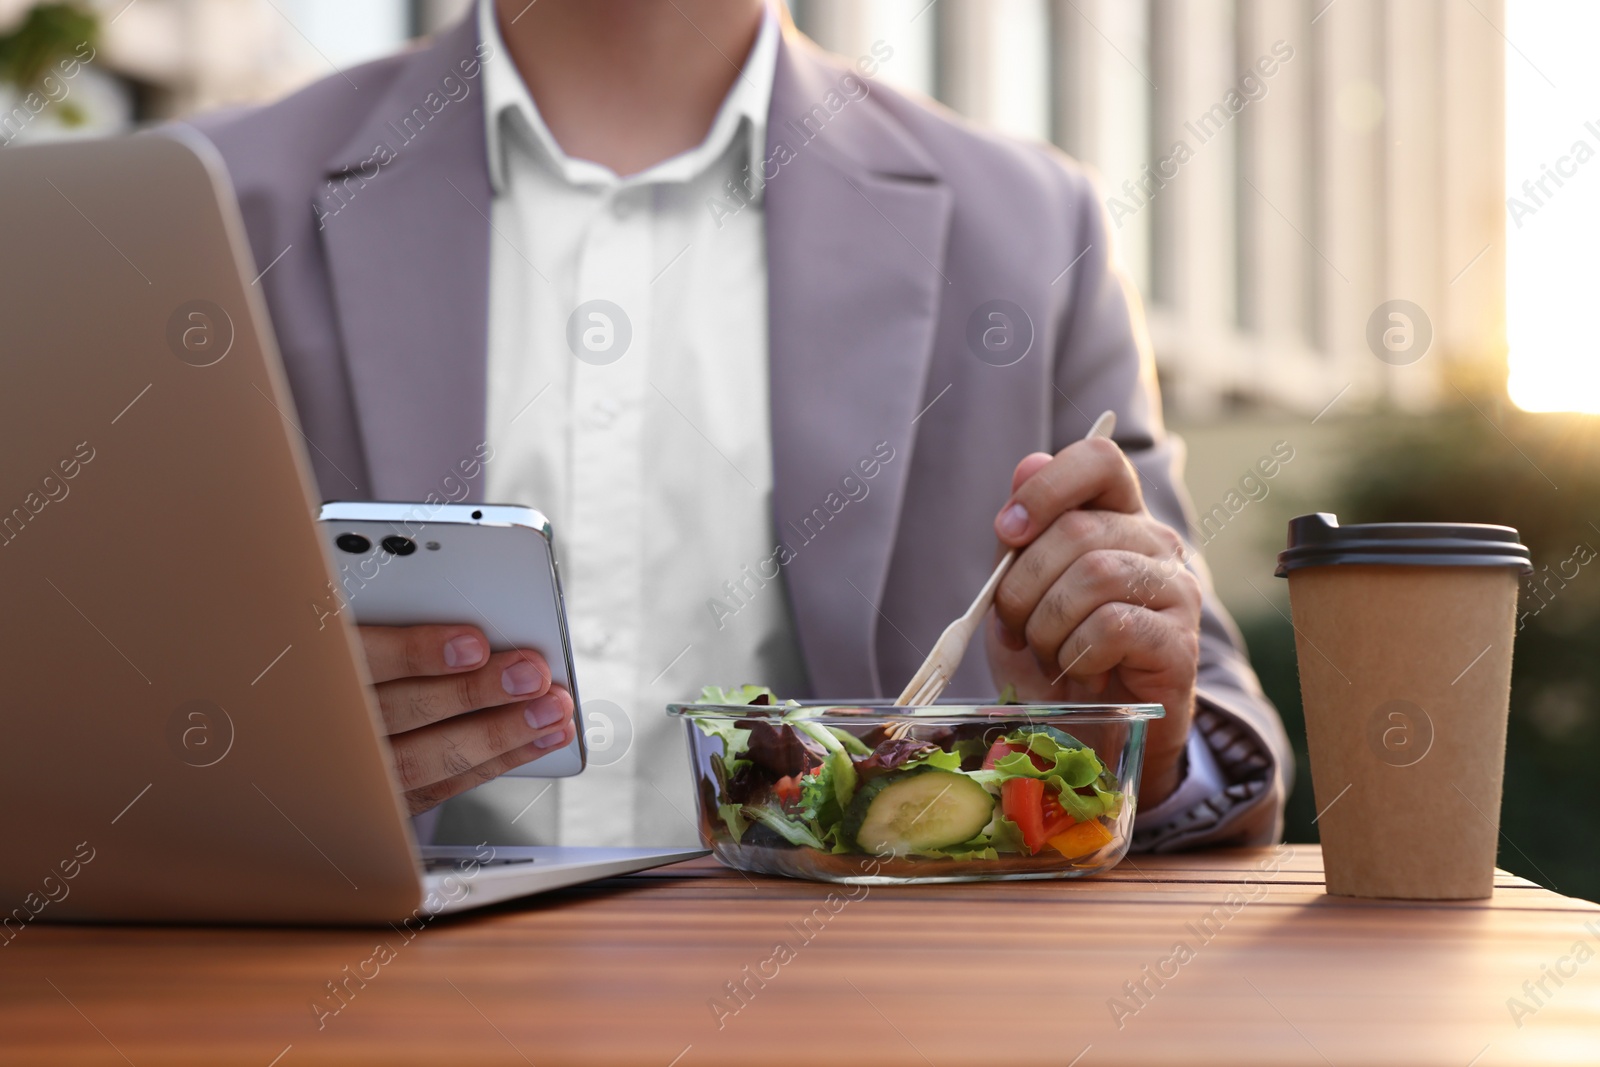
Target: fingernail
[(551, 740), (463, 651), (542, 713), (521, 678), (1013, 521)]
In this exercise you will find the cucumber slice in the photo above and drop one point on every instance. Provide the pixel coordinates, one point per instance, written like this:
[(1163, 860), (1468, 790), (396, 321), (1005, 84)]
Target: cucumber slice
[(917, 811)]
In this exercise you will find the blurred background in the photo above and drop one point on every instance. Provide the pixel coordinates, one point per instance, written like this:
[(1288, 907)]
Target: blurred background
[(1364, 232)]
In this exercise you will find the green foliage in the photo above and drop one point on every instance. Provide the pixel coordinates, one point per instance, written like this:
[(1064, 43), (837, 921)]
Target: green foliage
[(1538, 473), (1541, 474), (48, 33)]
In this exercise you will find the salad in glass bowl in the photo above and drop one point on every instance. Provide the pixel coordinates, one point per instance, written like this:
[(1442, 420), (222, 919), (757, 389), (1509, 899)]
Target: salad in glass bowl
[(872, 793)]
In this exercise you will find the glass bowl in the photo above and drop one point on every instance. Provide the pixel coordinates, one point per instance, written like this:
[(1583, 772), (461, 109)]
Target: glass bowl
[(873, 794)]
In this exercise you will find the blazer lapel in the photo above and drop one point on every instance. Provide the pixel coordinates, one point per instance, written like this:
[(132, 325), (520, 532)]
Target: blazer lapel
[(405, 228), (857, 220)]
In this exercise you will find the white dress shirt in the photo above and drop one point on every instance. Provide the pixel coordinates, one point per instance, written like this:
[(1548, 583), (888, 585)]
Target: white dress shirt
[(641, 428)]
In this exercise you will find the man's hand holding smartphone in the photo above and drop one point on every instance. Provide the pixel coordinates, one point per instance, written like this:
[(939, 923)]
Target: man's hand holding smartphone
[(458, 715)]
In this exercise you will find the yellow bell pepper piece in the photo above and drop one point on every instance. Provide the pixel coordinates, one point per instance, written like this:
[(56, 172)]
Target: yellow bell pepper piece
[(1081, 839)]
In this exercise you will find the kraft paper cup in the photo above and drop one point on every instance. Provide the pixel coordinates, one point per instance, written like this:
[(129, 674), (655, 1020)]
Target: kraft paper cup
[(1403, 634)]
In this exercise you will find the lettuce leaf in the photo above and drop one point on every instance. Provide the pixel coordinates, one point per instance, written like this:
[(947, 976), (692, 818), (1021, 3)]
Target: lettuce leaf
[(1072, 766), (1025, 734), (819, 801), (1005, 835), (1069, 759), (1075, 767), (844, 779), (735, 739), (781, 824), (733, 818), (893, 754), (944, 761), (815, 731), (740, 694), (1110, 799), (971, 749), (1001, 835), (852, 744), (1084, 808), (778, 749), (727, 771)]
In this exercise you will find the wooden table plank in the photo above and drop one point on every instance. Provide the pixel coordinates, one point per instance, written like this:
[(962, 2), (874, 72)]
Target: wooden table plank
[(630, 971)]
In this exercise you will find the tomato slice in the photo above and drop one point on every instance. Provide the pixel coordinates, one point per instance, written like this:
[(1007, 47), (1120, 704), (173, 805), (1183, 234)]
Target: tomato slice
[(997, 751), (1055, 818), (1036, 809), (1021, 801), (787, 790), (1001, 749)]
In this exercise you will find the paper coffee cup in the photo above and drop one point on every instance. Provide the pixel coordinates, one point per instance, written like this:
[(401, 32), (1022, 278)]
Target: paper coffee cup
[(1403, 634)]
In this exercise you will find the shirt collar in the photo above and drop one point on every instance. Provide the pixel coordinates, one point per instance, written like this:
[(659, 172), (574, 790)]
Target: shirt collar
[(743, 114)]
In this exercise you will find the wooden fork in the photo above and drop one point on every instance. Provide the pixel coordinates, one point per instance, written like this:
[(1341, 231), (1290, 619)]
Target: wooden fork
[(930, 680)]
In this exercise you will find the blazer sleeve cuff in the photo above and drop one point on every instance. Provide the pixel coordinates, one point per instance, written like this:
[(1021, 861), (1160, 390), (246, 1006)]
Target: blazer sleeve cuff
[(1202, 780), (1231, 793)]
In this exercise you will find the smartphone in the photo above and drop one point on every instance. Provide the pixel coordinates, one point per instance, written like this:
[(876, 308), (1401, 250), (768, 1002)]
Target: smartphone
[(490, 565)]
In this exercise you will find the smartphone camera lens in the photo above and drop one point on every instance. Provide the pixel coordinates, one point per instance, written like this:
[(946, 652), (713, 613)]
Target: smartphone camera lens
[(352, 542), (398, 546)]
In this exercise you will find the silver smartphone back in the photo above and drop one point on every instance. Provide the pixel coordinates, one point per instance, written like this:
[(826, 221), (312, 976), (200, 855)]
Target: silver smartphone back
[(492, 566)]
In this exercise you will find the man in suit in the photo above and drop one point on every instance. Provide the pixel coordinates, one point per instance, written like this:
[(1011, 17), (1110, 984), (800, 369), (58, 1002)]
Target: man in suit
[(789, 359)]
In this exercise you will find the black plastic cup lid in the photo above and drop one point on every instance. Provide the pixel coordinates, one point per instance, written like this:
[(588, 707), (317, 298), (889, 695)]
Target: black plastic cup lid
[(1319, 541)]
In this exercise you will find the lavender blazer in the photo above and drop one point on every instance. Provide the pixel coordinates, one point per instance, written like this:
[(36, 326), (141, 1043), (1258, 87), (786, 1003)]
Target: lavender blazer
[(890, 223)]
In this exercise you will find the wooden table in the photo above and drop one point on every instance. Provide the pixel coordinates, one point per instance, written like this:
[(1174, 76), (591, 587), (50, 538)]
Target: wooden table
[(631, 971)]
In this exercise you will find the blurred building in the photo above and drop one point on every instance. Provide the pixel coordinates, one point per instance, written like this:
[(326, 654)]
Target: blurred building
[(1277, 170)]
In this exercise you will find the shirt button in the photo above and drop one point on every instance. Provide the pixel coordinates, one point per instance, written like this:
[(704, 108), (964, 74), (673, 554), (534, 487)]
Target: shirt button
[(621, 205)]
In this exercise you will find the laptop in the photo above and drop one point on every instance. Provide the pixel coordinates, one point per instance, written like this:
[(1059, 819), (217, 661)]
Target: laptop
[(186, 739)]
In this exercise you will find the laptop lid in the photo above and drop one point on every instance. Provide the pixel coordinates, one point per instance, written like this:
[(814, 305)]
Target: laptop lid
[(186, 736)]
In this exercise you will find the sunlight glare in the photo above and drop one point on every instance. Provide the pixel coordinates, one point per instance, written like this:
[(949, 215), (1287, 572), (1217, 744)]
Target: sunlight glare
[(1553, 204)]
